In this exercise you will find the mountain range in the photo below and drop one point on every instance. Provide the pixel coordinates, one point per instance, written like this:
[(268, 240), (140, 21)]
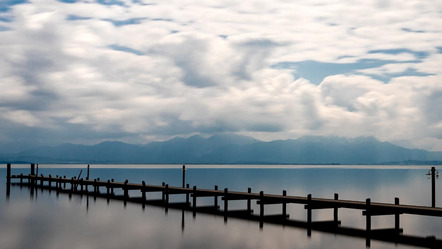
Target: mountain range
[(232, 149)]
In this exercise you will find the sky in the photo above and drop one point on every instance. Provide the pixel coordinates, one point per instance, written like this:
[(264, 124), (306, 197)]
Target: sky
[(86, 71)]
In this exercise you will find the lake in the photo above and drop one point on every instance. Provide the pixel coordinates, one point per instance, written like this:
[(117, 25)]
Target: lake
[(48, 220)]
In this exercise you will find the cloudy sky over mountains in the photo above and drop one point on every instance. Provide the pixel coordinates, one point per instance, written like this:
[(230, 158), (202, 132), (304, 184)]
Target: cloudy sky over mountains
[(84, 71)]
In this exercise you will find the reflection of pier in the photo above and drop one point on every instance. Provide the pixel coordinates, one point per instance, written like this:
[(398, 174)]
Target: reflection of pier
[(95, 188)]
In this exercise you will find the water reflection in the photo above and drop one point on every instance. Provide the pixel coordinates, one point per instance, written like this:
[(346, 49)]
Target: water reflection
[(114, 225)]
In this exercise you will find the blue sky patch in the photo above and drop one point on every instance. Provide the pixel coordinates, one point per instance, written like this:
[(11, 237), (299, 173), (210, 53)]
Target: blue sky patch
[(413, 31), (409, 72), (439, 49), (125, 22), (67, 1), (316, 71), (111, 2), (125, 49), (5, 5), (6, 19), (418, 54), (3, 28), (76, 18)]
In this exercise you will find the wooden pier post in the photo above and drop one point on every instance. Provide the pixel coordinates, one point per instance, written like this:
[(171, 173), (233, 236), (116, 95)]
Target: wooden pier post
[(108, 191), (8, 173), (249, 202), (81, 186), (143, 194), (112, 189), (284, 205), (187, 195), (163, 196), (72, 187), (396, 216), (184, 175), (8, 180), (215, 199), (194, 198), (433, 187), (108, 188), (226, 203), (50, 183), (335, 210), (87, 176), (126, 192), (194, 202), (21, 180), (167, 194), (368, 215), (368, 222), (95, 189), (309, 215), (64, 182), (261, 209), (261, 204), (309, 210), (32, 169)]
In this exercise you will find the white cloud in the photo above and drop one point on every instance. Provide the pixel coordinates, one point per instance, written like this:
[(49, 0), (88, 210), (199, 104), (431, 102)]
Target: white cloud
[(180, 68)]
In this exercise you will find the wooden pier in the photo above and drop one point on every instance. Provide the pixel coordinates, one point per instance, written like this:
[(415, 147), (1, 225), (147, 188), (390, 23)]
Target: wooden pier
[(105, 189)]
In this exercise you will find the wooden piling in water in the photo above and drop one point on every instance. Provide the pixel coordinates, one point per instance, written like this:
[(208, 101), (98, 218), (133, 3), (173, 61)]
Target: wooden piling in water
[(368, 215), (335, 210), (249, 201), (8, 172), (143, 194), (187, 195), (215, 198), (396, 216)]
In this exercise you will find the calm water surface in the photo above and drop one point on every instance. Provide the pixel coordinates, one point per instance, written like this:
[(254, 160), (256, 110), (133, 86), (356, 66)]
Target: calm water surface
[(50, 221)]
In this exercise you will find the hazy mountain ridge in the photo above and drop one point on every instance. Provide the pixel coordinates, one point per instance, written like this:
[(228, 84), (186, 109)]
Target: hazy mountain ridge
[(231, 149)]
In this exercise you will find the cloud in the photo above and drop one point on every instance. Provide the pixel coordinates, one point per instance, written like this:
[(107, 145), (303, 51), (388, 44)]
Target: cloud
[(130, 70)]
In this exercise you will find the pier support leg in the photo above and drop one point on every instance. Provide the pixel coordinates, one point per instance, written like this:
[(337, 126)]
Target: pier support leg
[(194, 201), (8, 180), (215, 198), (167, 197), (309, 215), (143, 195), (95, 189), (50, 183), (108, 191), (335, 211), (126, 192), (433, 187), (226, 203), (32, 169), (396, 216), (368, 222), (249, 202), (284, 205), (187, 195), (112, 189), (163, 196), (261, 209), (87, 176), (184, 175)]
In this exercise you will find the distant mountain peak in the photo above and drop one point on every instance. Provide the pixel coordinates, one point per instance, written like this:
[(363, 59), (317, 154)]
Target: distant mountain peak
[(230, 148), (337, 139)]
